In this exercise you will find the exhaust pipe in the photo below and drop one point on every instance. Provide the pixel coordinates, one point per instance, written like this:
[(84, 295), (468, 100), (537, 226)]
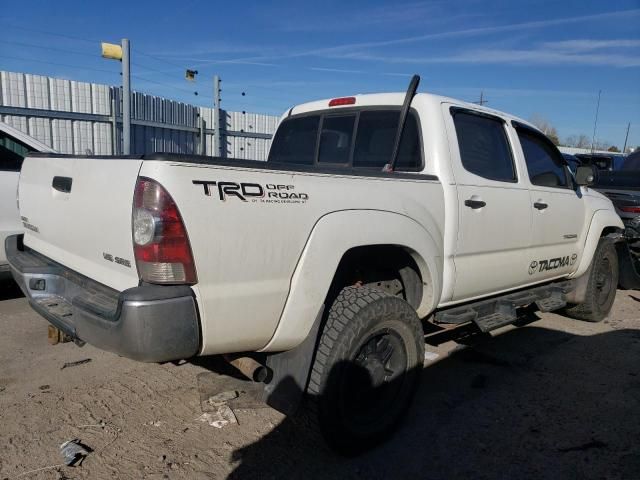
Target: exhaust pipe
[(250, 368)]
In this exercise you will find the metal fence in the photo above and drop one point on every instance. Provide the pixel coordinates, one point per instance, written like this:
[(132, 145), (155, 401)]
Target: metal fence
[(80, 118)]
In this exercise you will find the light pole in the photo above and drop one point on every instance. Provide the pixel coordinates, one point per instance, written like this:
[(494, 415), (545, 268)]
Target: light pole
[(121, 52)]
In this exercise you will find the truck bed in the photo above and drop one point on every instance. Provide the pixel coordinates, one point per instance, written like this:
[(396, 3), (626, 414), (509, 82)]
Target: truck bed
[(248, 223)]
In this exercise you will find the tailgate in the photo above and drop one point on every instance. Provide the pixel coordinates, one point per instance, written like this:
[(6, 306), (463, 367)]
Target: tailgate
[(77, 211)]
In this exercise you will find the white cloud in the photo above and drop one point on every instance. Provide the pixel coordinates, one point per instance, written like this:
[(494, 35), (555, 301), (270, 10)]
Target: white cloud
[(586, 45), (357, 50), (543, 55)]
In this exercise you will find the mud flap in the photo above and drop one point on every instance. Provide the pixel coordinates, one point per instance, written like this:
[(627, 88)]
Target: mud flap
[(291, 372)]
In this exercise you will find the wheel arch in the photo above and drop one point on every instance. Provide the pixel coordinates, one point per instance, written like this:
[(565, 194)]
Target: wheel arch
[(603, 223), (335, 239)]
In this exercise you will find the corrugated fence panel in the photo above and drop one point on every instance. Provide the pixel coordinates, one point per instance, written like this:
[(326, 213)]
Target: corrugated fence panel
[(163, 125), (13, 89), (62, 137), (37, 91), (82, 138), (80, 97), (60, 94), (102, 138)]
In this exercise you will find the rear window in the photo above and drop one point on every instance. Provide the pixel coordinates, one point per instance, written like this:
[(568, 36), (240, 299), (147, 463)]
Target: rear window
[(374, 131), (335, 139), (376, 137), (295, 141), (12, 153)]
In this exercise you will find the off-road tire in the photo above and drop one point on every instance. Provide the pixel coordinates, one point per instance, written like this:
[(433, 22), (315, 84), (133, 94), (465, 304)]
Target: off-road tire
[(359, 321), (602, 284)]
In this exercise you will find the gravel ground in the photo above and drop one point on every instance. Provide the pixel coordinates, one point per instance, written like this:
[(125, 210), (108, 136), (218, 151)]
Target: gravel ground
[(555, 398)]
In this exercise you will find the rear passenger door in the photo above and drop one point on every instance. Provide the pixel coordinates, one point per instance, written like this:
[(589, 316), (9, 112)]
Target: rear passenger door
[(559, 214), (494, 218)]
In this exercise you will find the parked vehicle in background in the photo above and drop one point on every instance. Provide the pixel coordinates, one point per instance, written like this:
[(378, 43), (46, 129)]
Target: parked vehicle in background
[(622, 186), (602, 161), (315, 271), (14, 146)]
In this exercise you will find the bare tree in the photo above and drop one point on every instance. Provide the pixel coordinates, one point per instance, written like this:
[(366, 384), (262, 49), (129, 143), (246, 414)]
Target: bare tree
[(545, 127), (578, 141)]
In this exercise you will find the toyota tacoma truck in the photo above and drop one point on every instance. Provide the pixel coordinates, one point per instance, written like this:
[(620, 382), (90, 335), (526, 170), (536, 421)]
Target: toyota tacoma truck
[(317, 271)]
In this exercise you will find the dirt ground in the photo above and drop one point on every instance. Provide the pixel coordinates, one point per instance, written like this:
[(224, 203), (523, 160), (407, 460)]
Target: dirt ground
[(555, 398)]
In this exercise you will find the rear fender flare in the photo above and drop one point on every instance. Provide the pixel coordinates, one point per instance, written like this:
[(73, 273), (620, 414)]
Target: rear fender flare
[(332, 236)]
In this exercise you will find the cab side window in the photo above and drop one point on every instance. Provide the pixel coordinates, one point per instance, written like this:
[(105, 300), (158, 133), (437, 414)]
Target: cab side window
[(546, 167), (484, 147), (12, 153)]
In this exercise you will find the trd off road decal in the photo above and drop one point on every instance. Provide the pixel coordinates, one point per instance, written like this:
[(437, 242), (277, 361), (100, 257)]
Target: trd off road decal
[(538, 266), (253, 192)]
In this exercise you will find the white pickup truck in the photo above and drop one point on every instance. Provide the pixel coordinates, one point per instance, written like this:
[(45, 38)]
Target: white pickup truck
[(373, 215)]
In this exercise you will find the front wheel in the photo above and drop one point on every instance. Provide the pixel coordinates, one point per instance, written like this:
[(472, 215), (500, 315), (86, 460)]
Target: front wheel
[(366, 369), (602, 284)]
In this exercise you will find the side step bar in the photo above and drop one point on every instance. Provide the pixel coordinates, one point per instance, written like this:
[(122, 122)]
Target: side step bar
[(500, 311)]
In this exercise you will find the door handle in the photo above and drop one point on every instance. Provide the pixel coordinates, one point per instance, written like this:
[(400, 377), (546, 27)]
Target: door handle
[(540, 205), (62, 184), (472, 203)]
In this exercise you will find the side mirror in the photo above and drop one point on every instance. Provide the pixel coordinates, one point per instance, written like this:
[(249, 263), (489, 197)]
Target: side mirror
[(586, 175)]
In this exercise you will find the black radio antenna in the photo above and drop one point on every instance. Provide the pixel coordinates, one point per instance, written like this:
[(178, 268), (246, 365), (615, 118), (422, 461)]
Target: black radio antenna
[(411, 92)]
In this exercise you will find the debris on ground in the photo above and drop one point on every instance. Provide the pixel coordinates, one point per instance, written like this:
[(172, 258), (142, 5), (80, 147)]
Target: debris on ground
[(215, 388), (222, 398), (75, 364), (74, 452), (55, 335), (220, 417), (430, 356)]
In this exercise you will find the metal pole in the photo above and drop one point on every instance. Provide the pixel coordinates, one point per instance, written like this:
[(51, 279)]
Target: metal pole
[(203, 149), (126, 97), (626, 137), (217, 134), (595, 122), (114, 124)]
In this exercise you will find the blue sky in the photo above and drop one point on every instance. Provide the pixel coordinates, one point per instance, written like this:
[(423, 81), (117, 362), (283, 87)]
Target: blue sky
[(548, 58)]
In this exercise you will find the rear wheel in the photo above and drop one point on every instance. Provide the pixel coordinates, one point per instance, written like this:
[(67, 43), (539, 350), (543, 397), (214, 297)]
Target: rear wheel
[(367, 366), (602, 284)]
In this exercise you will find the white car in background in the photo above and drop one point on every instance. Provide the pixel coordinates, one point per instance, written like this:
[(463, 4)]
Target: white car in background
[(14, 146)]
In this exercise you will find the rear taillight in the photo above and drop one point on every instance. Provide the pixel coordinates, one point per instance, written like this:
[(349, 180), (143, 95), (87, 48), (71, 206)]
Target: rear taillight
[(160, 241), (630, 209)]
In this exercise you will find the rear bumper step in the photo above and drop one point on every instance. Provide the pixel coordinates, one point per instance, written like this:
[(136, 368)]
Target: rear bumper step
[(147, 323), (500, 311)]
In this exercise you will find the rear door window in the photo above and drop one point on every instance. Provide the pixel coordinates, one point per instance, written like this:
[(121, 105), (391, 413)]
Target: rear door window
[(484, 147), (12, 153)]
